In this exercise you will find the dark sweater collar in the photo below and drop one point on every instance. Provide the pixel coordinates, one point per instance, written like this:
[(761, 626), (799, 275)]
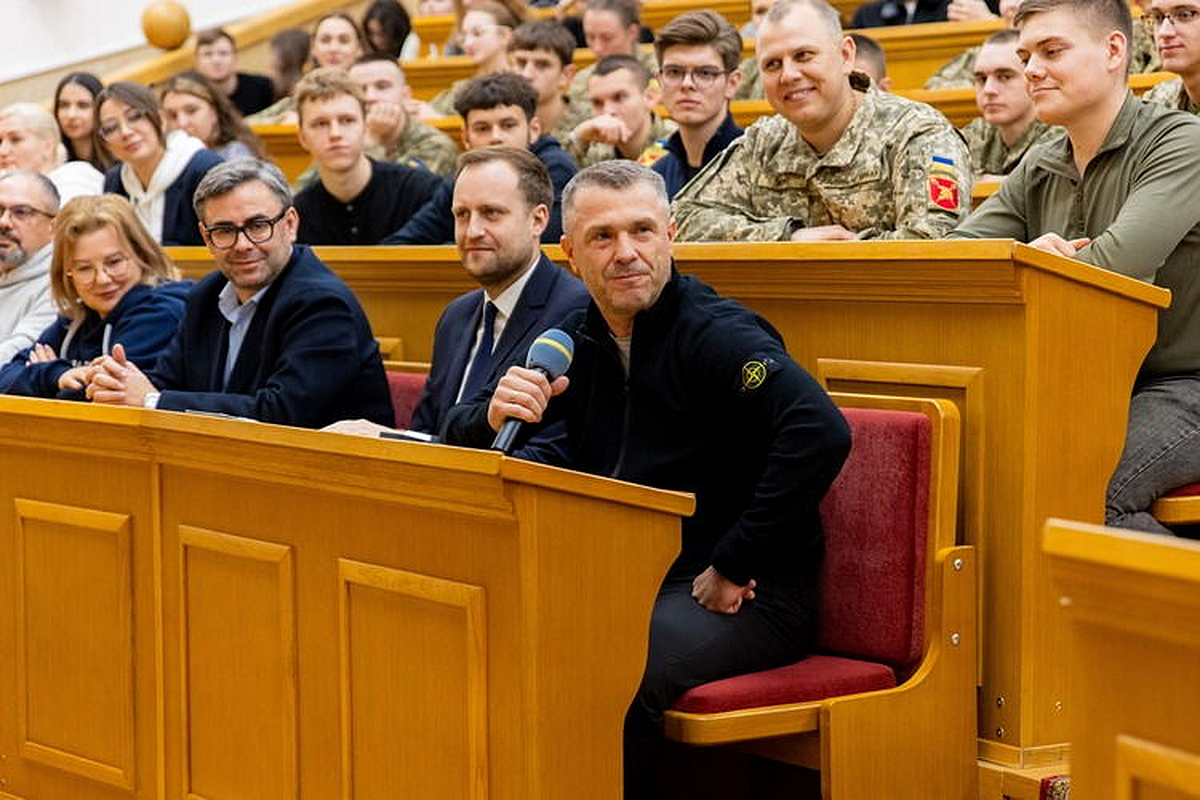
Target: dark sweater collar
[(725, 134)]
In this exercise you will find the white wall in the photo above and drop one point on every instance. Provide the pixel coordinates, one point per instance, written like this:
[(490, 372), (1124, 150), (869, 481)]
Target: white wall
[(40, 35)]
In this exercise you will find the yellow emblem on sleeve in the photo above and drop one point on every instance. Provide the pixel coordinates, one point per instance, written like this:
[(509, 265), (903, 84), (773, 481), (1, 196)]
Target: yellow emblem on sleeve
[(753, 374)]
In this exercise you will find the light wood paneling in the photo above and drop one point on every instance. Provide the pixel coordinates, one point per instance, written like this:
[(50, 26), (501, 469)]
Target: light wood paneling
[(74, 654), (1131, 601), (413, 669), (238, 658)]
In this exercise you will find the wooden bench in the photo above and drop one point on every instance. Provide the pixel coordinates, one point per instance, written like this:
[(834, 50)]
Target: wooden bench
[(888, 700)]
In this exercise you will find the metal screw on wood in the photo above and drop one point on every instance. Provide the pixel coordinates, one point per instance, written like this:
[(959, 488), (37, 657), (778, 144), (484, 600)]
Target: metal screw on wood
[(955, 639)]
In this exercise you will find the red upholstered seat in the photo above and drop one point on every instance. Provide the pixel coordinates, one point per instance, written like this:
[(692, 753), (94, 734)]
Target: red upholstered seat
[(814, 678), (406, 388), (876, 518), (1191, 490)]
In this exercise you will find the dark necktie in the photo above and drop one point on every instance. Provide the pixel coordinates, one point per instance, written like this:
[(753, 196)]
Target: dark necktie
[(481, 365)]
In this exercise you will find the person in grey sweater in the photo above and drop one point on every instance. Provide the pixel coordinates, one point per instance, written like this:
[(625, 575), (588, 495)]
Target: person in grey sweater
[(28, 205)]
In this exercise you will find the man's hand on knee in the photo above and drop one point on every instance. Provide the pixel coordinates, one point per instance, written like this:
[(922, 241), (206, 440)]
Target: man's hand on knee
[(721, 596)]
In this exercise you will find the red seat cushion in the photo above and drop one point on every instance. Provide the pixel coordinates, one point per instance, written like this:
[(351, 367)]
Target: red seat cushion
[(814, 678), (405, 388), (1191, 490)]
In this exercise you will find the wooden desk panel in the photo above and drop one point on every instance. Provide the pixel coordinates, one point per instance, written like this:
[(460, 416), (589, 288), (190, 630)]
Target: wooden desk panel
[(1038, 352), (214, 608)]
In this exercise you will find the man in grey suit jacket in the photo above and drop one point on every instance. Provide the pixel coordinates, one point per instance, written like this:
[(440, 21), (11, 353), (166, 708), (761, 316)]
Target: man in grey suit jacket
[(501, 205)]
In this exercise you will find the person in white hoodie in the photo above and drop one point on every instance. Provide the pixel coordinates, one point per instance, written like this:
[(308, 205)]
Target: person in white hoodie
[(28, 205), (157, 172), (30, 139)]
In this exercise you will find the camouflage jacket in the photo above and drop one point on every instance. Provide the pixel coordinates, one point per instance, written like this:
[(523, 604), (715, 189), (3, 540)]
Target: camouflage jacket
[(957, 73), (991, 156), (575, 113), (590, 153), (426, 145), (899, 171), (751, 87), (1172, 95)]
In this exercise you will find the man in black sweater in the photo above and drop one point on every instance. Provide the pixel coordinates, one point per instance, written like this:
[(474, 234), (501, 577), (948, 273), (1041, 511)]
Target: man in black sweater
[(356, 199), (497, 110)]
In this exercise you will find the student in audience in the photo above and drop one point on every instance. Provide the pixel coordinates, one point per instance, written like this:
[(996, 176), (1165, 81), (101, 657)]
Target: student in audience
[(355, 199), (272, 335), (30, 139), (698, 54), (216, 60), (337, 41), (623, 122), (393, 134), (487, 29), (543, 52), (1176, 30), (112, 284), (905, 12), (870, 60), (658, 358), (611, 28), (75, 112), (840, 161), (389, 30), (498, 111), (28, 205), (289, 54), (191, 103), (1007, 128), (158, 172), (502, 199), (1120, 191)]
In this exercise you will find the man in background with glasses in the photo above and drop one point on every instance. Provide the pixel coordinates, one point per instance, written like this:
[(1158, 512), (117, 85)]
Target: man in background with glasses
[(839, 161), (1176, 30), (698, 54), (273, 335), (28, 203)]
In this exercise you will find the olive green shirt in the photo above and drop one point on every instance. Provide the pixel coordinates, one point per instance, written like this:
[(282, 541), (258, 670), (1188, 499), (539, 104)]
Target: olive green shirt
[(898, 171), (991, 156), (1139, 203)]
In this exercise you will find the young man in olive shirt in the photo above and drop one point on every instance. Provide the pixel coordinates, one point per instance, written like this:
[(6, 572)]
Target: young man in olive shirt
[(1120, 191)]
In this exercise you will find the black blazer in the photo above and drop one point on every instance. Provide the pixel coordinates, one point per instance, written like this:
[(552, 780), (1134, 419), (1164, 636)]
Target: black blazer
[(550, 295), (308, 358)]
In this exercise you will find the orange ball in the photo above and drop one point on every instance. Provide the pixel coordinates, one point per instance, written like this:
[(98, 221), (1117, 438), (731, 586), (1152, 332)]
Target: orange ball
[(166, 24)]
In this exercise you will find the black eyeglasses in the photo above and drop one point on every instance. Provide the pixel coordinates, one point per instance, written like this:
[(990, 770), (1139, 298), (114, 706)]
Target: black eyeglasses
[(23, 213), (257, 230), (110, 129), (1180, 15), (703, 77)]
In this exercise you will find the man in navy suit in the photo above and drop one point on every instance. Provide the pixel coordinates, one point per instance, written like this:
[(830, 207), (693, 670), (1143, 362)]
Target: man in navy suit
[(502, 198), (273, 335)]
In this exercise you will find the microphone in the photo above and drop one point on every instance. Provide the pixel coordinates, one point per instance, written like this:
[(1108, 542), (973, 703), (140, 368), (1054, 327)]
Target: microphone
[(550, 354)]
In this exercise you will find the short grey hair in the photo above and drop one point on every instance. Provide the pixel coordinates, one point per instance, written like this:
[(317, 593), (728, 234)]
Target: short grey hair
[(44, 184), (616, 174), (826, 12), (224, 178)]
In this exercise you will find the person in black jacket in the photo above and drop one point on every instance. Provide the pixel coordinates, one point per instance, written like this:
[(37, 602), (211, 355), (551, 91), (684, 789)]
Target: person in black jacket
[(113, 284), (274, 335), (355, 199), (216, 59), (900, 12), (676, 387), (498, 109), (158, 172)]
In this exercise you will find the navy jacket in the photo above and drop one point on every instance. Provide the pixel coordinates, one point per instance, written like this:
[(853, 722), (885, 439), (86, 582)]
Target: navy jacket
[(144, 322), (892, 12), (674, 166), (180, 226), (308, 358), (548, 297), (434, 223), (712, 404)]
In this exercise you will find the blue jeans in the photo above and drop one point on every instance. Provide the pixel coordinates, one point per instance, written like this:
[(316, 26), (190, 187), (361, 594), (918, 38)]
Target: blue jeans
[(1162, 450)]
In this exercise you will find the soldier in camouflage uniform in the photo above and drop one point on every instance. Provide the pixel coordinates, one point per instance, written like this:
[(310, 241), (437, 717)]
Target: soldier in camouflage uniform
[(1007, 129), (840, 161), (623, 124), (611, 28), (1181, 39), (543, 52)]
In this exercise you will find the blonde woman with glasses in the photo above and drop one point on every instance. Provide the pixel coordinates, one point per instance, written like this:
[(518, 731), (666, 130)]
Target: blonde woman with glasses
[(113, 284)]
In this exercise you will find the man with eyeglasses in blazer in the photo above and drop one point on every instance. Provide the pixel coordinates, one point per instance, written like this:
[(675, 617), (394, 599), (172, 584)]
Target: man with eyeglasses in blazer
[(272, 335)]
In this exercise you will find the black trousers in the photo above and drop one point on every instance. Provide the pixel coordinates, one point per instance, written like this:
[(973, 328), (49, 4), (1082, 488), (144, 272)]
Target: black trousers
[(690, 645)]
